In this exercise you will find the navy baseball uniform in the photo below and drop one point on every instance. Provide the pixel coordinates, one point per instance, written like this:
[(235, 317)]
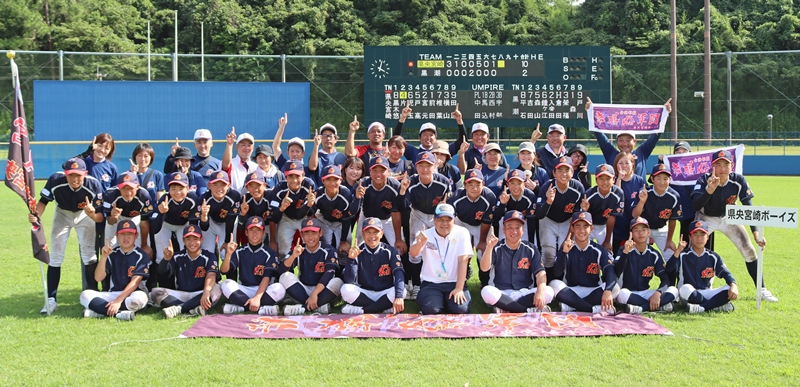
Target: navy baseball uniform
[(630, 189), (512, 278), (494, 179), (635, 270), (314, 268), (381, 204), (583, 276), (696, 276), (526, 204), (374, 279), (138, 209), (289, 221), (190, 279), (202, 165), (640, 154), (121, 268), (252, 264), (179, 214), (337, 213), (554, 218), (222, 218), (548, 158)]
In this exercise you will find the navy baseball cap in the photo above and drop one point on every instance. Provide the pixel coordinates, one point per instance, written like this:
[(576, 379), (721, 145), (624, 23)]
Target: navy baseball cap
[(682, 145), (473, 174), (311, 224), (604, 169), (192, 230), (75, 165), (659, 169), (177, 178), (127, 178), (514, 215), (378, 161), (332, 171), (582, 216), (371, 222), (255, 221), (253, 177), (723, 155), (293, 167), (699, 226), (218, 176), (426, 157), (563, 160), (265, 150), (445, 209), (516, 174), (639, 220), (126, 226), (182, 153)]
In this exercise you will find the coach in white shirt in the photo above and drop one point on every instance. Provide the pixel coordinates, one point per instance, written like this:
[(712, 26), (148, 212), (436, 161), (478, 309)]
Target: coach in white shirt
[(444, 251)]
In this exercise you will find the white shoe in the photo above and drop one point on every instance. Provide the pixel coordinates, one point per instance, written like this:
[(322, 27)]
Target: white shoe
[(268, 310), (566, 308), (126, 315), (323, 309), (294, 310), (727, 308), (232, 308), (497, 310), (546, 309), (598, 309), (414, 292), (766, 295), (666, 308), (88, 313), (172, 311), (633, 309), (694, 308), (409, 290), (352, 309), (51, 304), (389, 311), (198, 311)]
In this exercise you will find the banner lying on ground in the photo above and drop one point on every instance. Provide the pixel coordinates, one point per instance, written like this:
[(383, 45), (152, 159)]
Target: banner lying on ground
[(415, 326), (688, 167), (635, 119)]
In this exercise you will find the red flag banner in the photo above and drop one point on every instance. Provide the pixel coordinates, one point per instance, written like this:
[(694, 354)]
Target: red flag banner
[(19, 169)]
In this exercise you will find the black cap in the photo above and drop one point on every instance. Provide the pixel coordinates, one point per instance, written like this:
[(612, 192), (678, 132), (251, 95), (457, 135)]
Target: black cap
[(681, 144), (183, 153), (265, 150)]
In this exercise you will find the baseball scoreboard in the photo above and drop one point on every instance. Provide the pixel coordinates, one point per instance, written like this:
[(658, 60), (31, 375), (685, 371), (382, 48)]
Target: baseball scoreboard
[(513, 86)]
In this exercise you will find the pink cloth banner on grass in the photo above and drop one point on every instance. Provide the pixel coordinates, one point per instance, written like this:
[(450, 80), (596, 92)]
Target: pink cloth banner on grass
[(686, 168), (415, 326), (635, 119)]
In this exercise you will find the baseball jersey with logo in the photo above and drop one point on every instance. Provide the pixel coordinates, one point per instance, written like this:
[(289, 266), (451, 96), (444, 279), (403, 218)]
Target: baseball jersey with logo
[(122, 267), (376, 269), (494, 179), (699, 270), (225, 210), (299, 207), (179, 213), (259, 208), (515, 269), (57, 189), (314, 265), (202, 165), (526, 204), (381, 203), (603, 207), (549, 159), (425, 197), (474, 153), (105, 172), (714, 204), (139, 205), (474, 213), (564, 204), (253, 263), (660, 209), (635, 269), (340, 208), (190, 274), (152, 182), (590, 267)]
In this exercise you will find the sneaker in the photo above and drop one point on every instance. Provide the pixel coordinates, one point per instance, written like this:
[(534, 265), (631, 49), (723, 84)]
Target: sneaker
[(727, 308), (566, 308), (198, 311), (694, 308), (232, 308), (294, 310), (388, 311), (88, 313), (546, 309), (766, 295), (268, 310), (414, 292), (497, 310), (172, 311), (126, 315), (352, 309), (666, 308), (409, 291), (51, 304), (598, 309), (633, 309), (323, 309)]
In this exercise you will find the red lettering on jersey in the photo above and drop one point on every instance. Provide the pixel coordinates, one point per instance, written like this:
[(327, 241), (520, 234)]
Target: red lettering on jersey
[(319, 267), (707, 273), (479, 215), (731, 200), (81, 205), (223, 214), (200, 272), (524, 264), (386, 204), (299, 203), (185, 214), (130, 271), (436, 200), (384, 270), (258, 270), (665, 214), (607, 213), (134, 213), (570, 208), (593, 268), (648, 271), (336, 214)]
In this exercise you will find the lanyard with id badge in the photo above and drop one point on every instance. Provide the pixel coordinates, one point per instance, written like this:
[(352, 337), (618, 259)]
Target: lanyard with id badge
[(441, 273)]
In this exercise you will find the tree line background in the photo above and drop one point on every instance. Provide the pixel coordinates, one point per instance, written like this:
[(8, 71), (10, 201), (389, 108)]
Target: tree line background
[(763, 84)]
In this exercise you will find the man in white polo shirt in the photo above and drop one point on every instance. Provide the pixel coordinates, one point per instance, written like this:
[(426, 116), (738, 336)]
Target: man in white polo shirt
[(240, 166), (444, 251)]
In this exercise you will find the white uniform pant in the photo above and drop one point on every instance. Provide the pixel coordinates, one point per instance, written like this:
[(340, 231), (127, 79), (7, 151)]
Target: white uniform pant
[(686, 290), (551, 234), (388, 230), (214, 237), (625, 294), (164, 236), (63, 222), (350, 293), (159, 294), (599, 233), (111, 229), (416, 220), (659, 236), (136, 301), (286, 229), (491, 294), (735, 232), (475, 233), (581, 291), (330, 231), (288, 280), (275, 290)]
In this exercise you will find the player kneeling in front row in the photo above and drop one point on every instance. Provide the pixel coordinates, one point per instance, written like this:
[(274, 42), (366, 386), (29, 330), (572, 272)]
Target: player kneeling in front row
[(514, 266), (257, 265), (636, 264), (587, 281), (316, 286), (696, 268), (374, 275), (195, 271), (127, 266)]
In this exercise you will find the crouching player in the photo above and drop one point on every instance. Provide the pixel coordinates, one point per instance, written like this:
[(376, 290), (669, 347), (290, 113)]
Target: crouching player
[(587, 281), (374, 276), (257, 265), (126, 265), (316, 286), (636, 264), (517, 282), (696, 268), (195, 271)]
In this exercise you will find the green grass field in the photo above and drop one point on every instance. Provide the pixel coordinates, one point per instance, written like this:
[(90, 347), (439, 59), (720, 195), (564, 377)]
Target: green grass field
[(746, 347)]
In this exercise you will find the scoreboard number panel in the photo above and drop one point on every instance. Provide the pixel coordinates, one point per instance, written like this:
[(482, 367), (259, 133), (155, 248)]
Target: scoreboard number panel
[(512, 86)]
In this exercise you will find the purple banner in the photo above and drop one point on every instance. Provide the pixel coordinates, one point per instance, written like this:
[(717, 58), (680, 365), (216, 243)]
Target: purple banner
[(637, 119), (415, 326), (686, 168)]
